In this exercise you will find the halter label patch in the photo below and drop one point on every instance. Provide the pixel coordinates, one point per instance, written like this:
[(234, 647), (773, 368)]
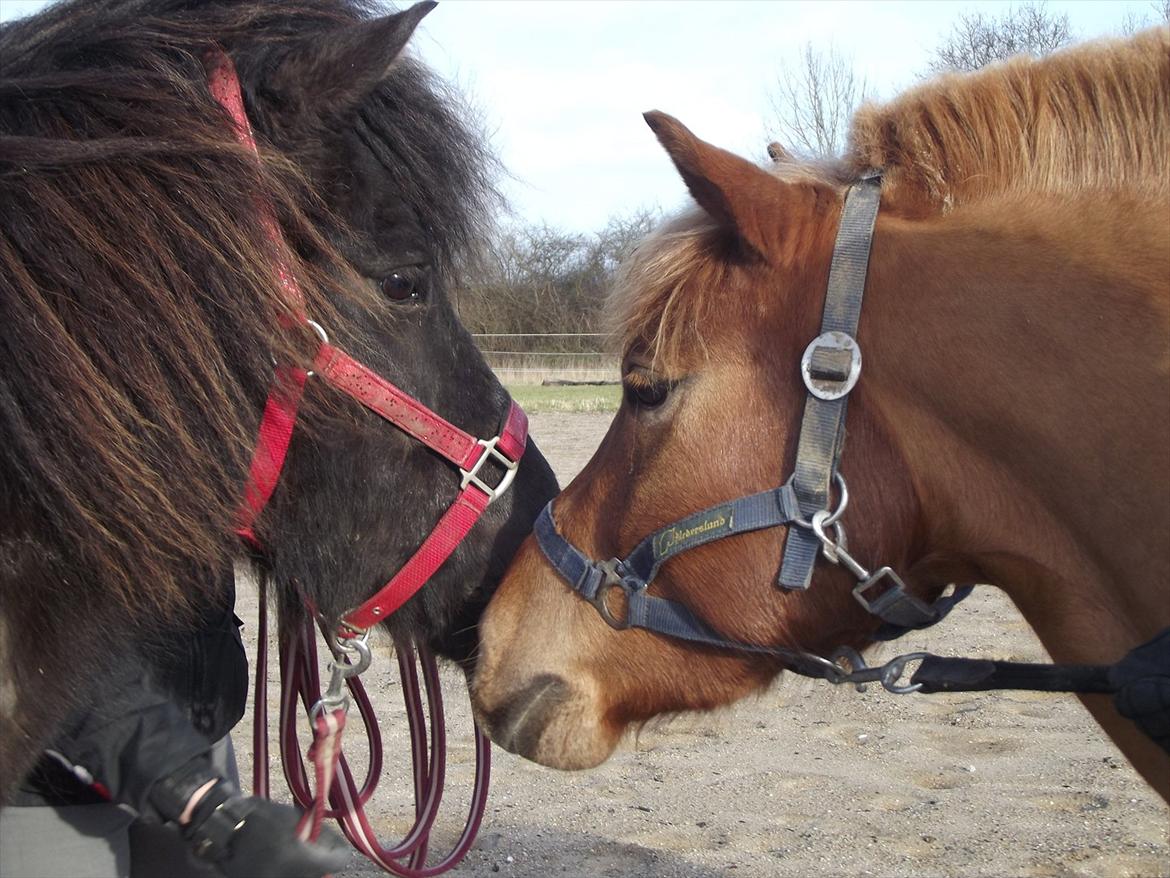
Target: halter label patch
[(717, 522)]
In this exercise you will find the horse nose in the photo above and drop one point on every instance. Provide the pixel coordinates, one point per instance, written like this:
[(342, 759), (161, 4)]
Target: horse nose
[(517, 724)]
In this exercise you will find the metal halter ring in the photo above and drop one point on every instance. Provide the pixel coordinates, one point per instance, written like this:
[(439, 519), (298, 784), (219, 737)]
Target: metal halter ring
[(842, 502), (611, 579), (335, 697), (364, 655), (320, 330), (321, 334)]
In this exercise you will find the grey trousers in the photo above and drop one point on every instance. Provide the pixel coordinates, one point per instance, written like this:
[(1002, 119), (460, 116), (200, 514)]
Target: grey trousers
[(100, 841)]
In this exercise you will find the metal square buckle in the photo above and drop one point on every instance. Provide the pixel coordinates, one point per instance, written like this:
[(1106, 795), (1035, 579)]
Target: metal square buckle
[(894, 593), (471, 476)]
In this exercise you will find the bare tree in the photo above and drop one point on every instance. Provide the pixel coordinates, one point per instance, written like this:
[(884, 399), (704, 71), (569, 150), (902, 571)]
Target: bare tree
[(813, 101), (1159, 13), (977, 40), (538, 279)]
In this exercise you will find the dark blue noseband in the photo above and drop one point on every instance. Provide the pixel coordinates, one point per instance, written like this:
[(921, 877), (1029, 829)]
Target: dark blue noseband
[(633, 574)]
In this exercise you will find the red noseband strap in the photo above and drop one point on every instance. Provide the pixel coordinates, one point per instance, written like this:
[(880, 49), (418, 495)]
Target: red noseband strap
[(412, 417), (403, 411), (459, 518)]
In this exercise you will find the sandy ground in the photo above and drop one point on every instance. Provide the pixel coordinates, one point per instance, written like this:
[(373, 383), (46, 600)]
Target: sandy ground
[(806, 779)]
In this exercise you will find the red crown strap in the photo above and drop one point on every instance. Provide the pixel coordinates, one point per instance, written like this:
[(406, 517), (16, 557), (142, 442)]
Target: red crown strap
[(224, 85)]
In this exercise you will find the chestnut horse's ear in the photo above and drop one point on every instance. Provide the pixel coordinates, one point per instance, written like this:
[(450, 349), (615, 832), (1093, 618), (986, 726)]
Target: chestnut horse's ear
[(739, 195), (334, 72)]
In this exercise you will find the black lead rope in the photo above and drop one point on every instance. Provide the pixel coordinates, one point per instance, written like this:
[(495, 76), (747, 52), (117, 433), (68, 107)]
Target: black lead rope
[(1139, 683), (943, 674)]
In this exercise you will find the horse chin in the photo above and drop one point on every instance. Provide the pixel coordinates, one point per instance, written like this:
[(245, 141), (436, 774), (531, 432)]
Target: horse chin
[(548, 720)]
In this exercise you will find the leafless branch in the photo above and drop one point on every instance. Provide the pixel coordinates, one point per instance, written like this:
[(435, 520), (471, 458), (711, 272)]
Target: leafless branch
[(813, 101), (977, 40)]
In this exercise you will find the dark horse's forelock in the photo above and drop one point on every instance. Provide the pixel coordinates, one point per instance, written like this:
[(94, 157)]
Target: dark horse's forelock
[(411, 123), (140, 310)]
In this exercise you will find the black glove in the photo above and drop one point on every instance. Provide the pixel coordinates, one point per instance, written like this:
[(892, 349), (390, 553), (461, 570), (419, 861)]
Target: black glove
[(1142, 684), (245, 836)]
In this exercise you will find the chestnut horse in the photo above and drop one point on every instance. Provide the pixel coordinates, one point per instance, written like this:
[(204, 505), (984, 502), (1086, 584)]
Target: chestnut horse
[(1011, 424), (142, 310)]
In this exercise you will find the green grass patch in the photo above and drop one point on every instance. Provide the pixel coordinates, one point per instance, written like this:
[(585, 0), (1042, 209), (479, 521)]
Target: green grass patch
[(584, 398)]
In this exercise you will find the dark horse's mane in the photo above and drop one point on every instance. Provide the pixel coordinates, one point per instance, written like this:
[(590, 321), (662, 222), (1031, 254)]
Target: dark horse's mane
[(140, 310)]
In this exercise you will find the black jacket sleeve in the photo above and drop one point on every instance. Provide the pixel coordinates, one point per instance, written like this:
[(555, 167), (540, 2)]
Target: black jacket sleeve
[(133, 734), (158, 707)]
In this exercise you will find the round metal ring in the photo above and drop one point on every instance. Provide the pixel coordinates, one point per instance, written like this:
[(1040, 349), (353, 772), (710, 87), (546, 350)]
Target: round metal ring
[(321, 334), (842, 502), (599, 602), (319, 329)]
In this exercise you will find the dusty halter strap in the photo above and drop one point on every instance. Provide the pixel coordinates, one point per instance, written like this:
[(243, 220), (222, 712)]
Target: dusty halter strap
[(336, 794), (831, 366)]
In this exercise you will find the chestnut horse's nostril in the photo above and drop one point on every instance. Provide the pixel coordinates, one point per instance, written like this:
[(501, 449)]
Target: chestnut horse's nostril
[(518, 723)]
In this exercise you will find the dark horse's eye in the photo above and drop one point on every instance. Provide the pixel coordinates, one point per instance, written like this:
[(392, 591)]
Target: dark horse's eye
[(402, 287), (646, 394)]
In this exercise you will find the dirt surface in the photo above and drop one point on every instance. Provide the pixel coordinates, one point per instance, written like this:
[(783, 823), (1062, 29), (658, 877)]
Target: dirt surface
[(806, 779)]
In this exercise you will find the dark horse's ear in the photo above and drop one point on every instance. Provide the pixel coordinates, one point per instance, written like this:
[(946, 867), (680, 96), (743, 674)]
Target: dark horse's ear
[(334, 72), (740, 196)]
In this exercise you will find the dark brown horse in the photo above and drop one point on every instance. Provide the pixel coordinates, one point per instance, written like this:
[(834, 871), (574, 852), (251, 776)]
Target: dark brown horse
[(141, 313), (1011, 424)]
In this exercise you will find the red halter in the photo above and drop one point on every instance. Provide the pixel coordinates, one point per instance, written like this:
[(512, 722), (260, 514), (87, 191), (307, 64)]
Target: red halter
[(379, 396), (298, 659)]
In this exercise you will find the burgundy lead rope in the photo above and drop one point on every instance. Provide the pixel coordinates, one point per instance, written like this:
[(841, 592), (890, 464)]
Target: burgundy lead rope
[(347, 800), (333, 792)]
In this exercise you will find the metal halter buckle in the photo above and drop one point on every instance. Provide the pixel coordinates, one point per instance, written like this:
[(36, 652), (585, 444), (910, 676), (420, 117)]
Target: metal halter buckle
[(471, 476), (831, 365), (612, 578), (831, 516)]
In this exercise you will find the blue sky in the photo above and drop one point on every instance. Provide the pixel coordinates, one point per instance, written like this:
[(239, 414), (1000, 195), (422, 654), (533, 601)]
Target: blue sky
[(562, 85)]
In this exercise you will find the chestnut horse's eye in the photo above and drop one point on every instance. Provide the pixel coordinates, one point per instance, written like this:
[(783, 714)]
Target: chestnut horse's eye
[(402, 287), (647, 394)]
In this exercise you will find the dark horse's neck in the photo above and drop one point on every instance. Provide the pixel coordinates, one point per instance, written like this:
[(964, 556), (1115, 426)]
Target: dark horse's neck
[(1022, 358)]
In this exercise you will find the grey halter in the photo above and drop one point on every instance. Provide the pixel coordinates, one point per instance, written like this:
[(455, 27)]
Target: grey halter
[(831, 366)]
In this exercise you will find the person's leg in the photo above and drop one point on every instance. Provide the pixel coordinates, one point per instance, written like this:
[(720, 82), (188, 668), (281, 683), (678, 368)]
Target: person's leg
[(80, 841)]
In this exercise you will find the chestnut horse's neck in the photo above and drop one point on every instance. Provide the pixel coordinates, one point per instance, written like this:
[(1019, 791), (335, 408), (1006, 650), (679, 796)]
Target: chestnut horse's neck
[(1020, 350), (1019, 354)]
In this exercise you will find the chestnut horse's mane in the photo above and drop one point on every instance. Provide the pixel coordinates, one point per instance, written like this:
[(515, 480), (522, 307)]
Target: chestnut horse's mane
[(1094, 116), (1091, 116)]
